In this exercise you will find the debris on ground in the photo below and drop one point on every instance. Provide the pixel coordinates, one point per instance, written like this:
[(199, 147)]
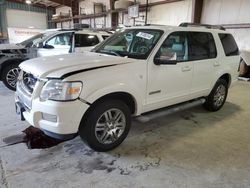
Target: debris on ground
[(34, 139)]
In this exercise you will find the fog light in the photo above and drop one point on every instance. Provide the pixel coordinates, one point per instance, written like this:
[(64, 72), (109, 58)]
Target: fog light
[(49, 117)]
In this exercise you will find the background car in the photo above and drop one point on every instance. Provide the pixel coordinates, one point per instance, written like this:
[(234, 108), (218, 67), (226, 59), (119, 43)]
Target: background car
[(45, 44)]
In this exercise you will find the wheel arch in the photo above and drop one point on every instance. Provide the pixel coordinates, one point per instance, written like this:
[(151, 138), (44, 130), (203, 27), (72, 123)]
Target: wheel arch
[(227, 78), (125, 97), (9, 62)]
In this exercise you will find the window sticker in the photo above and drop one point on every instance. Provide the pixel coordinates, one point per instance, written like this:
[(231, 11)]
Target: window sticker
[(144, 35)]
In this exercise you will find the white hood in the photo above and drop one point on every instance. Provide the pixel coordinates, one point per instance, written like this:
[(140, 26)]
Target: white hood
[(10, 46), (57, 66)]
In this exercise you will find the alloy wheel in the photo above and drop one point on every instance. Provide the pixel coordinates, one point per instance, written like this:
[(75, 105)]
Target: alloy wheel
[(11, 76), (110, 126), (220, 95)]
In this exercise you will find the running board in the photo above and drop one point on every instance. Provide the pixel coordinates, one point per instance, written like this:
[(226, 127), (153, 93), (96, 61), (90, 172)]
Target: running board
[(169, 110)]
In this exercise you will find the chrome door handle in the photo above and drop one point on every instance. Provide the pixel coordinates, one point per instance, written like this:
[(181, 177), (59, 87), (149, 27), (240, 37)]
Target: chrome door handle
[(186, 68)]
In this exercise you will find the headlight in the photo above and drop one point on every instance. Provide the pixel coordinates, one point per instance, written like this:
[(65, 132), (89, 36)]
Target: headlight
[(61, 91)]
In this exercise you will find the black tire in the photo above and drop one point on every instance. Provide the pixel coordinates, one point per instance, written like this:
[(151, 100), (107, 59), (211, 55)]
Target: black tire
[(11, 84), (212, 101), (88, 129)]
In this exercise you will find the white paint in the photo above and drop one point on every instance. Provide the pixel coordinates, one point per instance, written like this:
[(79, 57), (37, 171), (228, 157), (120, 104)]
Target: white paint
[(229, 12), (87, 7), (26, 19), (176, 83), (63, 9), (225, 11), (165, 14), (17, 35), (68, 24), (133, 11), (171, 13), (242, 38), (123, 4)]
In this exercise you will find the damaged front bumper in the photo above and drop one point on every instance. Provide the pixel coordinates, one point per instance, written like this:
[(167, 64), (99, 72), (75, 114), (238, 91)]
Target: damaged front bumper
[(59, 120)]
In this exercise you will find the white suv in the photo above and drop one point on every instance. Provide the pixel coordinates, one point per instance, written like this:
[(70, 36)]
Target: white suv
[(137, 70)]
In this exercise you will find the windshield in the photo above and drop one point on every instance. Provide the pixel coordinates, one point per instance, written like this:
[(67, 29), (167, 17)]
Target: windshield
[(34, 40), (133, 43)]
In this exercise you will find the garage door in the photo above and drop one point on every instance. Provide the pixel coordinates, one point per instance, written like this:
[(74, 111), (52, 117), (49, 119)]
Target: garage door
[(26, 19), (24, 24)]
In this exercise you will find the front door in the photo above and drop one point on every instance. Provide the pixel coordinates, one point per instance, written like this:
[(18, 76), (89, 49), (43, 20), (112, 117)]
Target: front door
[(57, 45), (169, 73)]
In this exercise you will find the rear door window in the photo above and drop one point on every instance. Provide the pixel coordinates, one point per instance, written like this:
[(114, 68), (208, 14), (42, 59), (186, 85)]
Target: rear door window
[(229, 45), (201, 46), (84, 40)]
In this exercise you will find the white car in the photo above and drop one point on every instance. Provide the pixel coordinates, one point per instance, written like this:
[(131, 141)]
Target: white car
[(64, 42), (45, 44), (136, 70)]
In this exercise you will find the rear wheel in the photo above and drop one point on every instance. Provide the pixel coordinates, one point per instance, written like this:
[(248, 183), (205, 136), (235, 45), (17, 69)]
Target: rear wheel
[(216, 99), (9, 76), (106, 126)]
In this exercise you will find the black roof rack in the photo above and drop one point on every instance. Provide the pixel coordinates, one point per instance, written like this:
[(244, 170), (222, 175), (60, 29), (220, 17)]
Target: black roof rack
[(73, 29), (186, 24), (153, 25)]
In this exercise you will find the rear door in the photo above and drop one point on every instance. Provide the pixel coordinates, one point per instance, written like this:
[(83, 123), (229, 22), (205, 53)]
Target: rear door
[(230, 55), (85, 42), (203, 55)]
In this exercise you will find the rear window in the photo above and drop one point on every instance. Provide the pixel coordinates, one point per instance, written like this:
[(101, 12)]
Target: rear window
[(202, 46), (229, 44), (84, 40)]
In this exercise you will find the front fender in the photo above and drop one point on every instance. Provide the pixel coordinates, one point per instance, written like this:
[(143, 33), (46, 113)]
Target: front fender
[(92, 97)]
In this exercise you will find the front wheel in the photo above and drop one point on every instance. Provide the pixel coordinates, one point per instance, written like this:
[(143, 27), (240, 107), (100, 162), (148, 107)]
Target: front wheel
[(106, 126), (10, 75), (216, 99)]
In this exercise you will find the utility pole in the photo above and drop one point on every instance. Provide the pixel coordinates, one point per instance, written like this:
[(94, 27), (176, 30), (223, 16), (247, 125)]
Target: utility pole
[(146, 15)]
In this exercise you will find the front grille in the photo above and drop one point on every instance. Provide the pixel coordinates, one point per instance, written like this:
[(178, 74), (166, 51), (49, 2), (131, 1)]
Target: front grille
[(23, 96), (25, 87)]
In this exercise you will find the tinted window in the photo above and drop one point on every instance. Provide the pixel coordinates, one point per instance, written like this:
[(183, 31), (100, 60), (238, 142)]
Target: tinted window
[(229, 44), (201, 46), (175, 47), (83, 40)]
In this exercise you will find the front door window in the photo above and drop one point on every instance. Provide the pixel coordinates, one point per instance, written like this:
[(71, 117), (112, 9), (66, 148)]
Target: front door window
[(174, 48)]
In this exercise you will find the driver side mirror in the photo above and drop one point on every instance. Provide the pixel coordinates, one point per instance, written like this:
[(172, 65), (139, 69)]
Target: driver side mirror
[(47, 46), (39, 45)]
